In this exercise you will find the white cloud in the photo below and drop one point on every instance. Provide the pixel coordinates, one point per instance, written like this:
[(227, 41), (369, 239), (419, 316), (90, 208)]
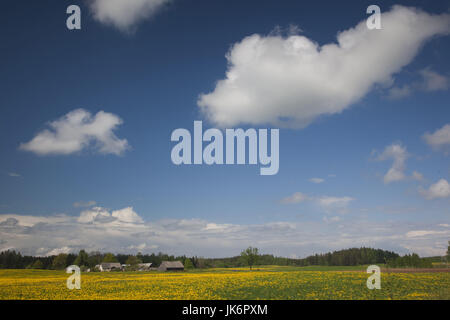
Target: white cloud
[(127, 215), (316, 180), (142, 246), (57, 251), (399, 154), (125, 14), (80, 204), (76, 131), (331, 219), (433, 81), (14, 174), (334, 202), (102, 215), (96, 214), (424, 233), (290, 81), (440, 138), (396, 93), (295, 198), (9, 222), (327, 203), (440, 189)]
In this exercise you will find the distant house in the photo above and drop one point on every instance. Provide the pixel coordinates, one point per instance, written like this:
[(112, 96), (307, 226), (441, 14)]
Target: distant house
[(171, 266), (109, 266), (144, 266)]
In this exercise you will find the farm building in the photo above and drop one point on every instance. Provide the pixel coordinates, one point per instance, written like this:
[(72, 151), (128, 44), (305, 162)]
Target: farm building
[(171, 266), (144, 266), (110, 266)]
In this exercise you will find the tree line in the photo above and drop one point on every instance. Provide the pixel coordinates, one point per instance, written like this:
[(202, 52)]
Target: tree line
[(348, 257), (11, 259)]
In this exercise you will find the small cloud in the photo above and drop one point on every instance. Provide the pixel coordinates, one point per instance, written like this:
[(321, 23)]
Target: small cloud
[(331, 219), (396, 93), (334, 202), (295, 198), (76, 131), (14, 174), (102, 215), (440, 189), (423, 233), (95, 214), (142, 246), (294, 29), (332, 175), (10, 222), (440, 138), (399, 154), (82, 204), (316, 180), (57, 251), (433, 81), (125, 14), (417, 176), (328, 203), (127, 215)]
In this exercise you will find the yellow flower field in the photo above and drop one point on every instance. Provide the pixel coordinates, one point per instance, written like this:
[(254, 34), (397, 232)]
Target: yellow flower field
[(265, 283)]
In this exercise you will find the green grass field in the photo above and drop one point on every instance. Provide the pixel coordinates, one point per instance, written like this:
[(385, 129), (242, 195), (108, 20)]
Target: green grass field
[(268, 282)]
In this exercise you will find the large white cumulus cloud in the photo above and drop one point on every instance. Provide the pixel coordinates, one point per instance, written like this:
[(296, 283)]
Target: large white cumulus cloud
[(290, 81)]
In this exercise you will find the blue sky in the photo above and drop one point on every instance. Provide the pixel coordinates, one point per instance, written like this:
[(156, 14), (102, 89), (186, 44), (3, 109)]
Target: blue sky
[(151, 72)]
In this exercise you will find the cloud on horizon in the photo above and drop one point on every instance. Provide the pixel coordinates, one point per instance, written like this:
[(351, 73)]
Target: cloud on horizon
[(81, 204), (328, 204), (297, 197), (14, 174), (39, 235), (291, 81)]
